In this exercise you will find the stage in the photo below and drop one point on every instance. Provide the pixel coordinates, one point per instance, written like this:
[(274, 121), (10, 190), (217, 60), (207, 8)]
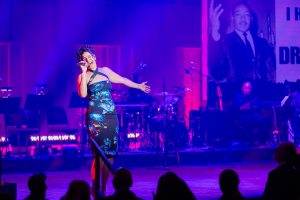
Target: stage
[(199, 167), (202, 179)]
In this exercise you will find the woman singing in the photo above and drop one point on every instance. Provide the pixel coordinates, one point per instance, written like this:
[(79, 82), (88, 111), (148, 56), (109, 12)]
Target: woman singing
[(101, 117)]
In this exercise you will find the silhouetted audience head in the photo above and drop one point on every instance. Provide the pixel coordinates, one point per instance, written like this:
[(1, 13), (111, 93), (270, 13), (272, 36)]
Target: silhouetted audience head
[(5, 195), (283, 181), (285, 153), (78, 190), (229, 181), (297, 161), (122, 179), (229, 184), (37, 186), (170, 186)]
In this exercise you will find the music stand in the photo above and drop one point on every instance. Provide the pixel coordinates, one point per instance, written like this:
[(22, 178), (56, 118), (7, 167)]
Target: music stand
[(39, 103), (77, 102), (7, 105)]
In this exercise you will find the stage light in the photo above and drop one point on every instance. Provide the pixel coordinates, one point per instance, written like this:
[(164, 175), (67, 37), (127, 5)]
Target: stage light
[(6, 92), (3, 139), (133, 135), (53, 138)]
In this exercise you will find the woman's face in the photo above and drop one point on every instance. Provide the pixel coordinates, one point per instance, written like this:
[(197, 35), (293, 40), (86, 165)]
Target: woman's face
[(90, 59)]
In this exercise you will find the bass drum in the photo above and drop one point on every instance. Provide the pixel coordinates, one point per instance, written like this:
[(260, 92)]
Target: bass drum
[(176, 133)]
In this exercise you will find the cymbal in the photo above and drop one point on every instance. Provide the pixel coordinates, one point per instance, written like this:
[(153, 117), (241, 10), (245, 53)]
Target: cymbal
[(179, 91), (184, 90)]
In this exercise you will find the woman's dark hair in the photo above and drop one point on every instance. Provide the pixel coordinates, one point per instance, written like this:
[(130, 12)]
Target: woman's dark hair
[(85, 48)]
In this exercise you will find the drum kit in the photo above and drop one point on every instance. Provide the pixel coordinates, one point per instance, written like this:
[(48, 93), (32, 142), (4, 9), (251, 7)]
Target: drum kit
[(144, 125)]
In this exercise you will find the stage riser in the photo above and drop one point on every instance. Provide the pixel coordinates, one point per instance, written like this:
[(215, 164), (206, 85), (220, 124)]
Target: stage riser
[(137, 159)]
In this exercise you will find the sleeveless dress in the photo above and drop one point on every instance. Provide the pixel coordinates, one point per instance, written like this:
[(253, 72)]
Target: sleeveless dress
[(101, 116)]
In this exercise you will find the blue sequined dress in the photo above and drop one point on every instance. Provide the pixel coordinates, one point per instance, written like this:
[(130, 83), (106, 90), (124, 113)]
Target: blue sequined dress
[(101, 117)]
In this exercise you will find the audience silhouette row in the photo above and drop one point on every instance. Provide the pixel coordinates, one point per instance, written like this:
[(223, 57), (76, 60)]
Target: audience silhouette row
[(283, 183)]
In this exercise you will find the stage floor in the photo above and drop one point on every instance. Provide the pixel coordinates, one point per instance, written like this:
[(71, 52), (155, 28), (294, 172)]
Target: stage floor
[(202, 179)]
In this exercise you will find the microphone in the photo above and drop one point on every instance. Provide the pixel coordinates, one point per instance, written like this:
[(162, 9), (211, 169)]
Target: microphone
[(81, 63)]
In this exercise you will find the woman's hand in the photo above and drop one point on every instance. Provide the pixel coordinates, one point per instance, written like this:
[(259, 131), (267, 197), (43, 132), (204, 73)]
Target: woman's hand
[(145, 88), (83, 66)]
